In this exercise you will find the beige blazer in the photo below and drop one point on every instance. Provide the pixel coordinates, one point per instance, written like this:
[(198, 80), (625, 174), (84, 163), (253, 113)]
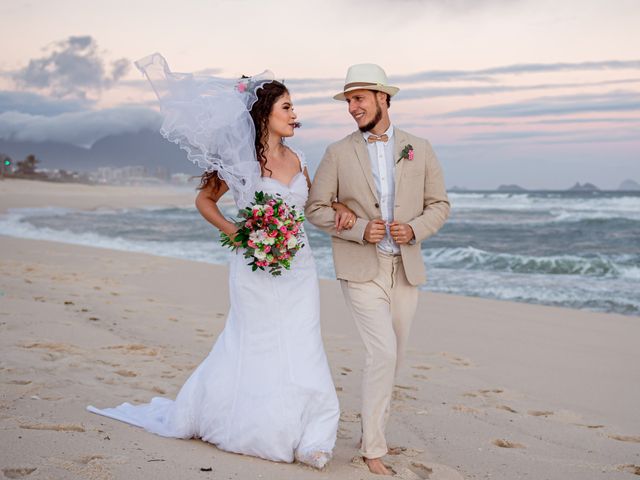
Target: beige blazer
[(345, 175)]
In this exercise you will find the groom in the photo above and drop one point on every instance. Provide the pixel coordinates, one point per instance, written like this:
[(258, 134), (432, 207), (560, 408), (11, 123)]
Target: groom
[(393, 183)]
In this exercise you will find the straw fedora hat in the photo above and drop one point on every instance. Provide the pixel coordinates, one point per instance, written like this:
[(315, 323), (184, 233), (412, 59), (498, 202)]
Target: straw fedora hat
[(368, 76)]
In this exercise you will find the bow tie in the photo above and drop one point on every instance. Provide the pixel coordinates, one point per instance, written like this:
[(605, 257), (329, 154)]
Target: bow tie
[(377, 138)]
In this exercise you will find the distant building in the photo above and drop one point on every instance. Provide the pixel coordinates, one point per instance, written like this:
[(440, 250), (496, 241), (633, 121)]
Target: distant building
[(182, 179)]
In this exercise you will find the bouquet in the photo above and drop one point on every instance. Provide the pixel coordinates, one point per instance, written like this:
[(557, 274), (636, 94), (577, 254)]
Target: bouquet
[(270, 233)]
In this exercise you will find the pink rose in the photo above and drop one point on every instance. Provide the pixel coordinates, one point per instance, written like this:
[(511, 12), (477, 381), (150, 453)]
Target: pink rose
[(411, 154), (242, 87)]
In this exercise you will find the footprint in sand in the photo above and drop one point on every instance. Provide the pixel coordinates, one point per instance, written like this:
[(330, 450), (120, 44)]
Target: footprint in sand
[(52, 347), (419, 376), (88, 458), (19, 382), (540, 413), (507, 444), (126, 373), (406, 451), (421, 367), (629, 468), (406, 387), (588, 426), (465, 409), (625, 438), (18, 472), (421, 470), (351, 417), (506, 408), (57, 427), (487, 392), (134, 348), (456, 360), (399, 395)]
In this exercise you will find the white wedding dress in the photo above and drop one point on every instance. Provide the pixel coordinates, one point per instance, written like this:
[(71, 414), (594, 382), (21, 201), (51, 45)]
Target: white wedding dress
[(265, 388)]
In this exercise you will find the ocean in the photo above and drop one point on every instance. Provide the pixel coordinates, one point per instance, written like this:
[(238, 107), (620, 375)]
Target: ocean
[(577, 250)]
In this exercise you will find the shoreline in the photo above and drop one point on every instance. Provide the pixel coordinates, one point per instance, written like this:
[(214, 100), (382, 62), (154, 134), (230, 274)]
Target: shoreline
[(19, 193)]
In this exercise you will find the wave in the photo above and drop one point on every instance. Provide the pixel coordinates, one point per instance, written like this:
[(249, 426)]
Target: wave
[(597, 282), (558, 207), (592, 293), (470, 258), (13, 225)]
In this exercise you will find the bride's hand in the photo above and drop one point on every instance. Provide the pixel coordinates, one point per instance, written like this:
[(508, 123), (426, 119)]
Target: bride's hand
[(231, 233), (345, 218)]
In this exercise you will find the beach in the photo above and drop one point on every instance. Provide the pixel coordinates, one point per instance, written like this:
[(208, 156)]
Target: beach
[(489, 390)]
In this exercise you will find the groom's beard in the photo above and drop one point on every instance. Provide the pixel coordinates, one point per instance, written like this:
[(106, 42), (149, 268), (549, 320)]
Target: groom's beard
[(373, 122)]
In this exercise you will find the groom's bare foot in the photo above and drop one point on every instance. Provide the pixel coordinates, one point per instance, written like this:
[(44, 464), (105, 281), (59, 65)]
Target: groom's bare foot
[(376, 466)]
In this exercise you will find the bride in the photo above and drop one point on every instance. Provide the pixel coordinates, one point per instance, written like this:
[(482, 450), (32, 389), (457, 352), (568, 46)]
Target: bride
[(265, 388)]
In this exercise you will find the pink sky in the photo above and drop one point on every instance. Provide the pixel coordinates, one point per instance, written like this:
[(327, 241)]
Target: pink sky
[(539, 93)]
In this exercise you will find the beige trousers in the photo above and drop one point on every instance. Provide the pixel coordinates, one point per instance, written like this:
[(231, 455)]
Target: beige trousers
[(383, 309)]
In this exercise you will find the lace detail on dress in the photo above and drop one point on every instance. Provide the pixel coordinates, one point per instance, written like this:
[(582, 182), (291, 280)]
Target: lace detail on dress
[(315, 458), (301, 156)]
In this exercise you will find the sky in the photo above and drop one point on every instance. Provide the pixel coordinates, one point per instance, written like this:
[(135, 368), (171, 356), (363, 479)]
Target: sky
[(538, 93)]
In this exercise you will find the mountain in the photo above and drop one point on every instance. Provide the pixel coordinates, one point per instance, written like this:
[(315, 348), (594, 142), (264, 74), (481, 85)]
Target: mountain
[(146, 148), (629, 186), (511, 188), (586, 187)]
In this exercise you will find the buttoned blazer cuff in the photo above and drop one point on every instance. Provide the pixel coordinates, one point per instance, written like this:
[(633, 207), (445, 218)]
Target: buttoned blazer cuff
[(355, 233)]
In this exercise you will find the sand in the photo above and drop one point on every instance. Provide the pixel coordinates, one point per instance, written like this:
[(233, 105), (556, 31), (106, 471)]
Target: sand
[(490, 389)]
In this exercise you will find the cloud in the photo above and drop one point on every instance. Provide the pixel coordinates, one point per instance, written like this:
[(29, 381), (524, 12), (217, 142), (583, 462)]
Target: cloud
[(71, 68), (490, 84), (487, 74), (78, 128), (32, 103), (558, 105), (556, 137)]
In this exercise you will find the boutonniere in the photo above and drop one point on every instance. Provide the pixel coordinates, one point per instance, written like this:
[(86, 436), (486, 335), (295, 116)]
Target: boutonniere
[(407, 152)]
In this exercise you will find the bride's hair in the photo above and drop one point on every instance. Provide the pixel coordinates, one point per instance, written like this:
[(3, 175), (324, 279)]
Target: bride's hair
[(267, 95)]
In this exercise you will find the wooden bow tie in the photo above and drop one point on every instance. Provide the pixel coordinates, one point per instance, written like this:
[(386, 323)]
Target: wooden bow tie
[(377, 138)]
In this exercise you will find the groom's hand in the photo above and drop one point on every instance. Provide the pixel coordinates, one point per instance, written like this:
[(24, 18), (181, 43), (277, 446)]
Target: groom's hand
[(375, 230), (401, 232)]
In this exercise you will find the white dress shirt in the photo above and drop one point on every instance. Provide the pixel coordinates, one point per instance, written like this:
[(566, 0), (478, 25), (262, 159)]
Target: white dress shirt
[(383, 170)]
